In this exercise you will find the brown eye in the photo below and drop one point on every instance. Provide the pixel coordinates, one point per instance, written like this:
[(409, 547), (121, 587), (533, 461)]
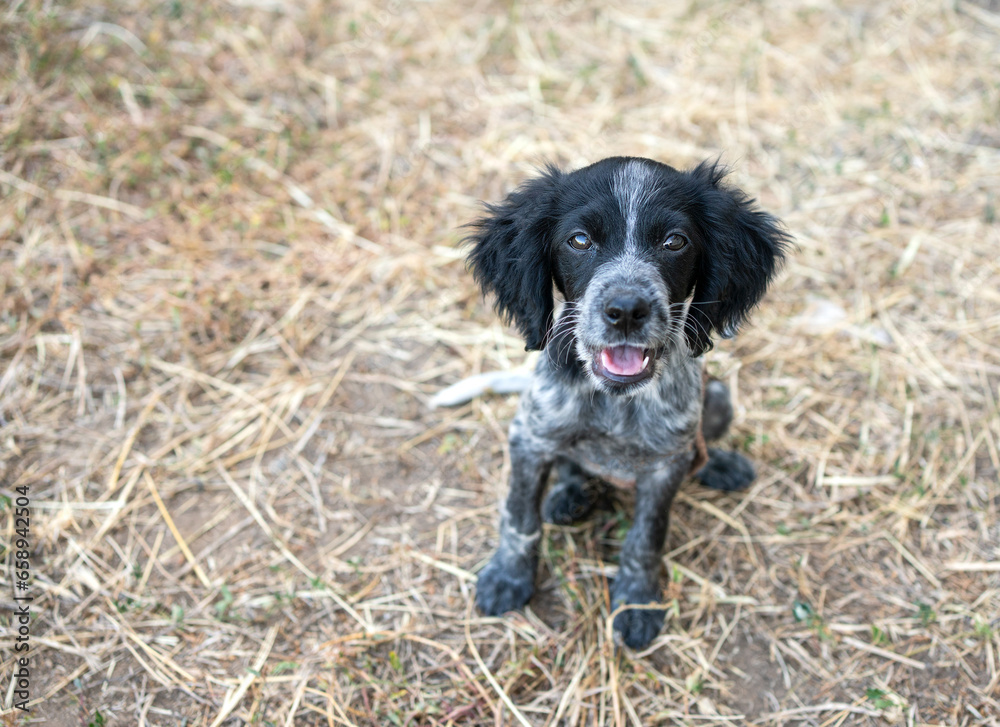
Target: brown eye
[(675, 242), (580, 241)]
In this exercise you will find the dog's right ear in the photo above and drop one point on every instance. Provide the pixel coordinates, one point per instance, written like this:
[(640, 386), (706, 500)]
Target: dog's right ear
[(511, 256)]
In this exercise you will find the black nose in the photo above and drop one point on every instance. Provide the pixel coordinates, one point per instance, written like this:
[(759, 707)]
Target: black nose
[(626, 312)]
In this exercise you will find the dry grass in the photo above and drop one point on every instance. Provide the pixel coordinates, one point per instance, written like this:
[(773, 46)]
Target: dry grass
[(231, 279)]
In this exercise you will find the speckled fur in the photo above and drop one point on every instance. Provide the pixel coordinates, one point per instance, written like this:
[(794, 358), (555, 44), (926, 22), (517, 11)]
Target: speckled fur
[(640, 432)]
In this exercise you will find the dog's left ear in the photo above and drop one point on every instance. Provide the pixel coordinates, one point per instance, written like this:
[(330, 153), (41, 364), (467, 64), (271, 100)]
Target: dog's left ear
[(744, 248), (510, 256)]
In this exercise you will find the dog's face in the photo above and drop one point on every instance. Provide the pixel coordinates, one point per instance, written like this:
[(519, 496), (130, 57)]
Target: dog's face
[(648, 259), (627, 268)]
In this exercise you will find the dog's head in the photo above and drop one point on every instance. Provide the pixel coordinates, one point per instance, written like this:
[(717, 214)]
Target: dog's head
[(648, 259)]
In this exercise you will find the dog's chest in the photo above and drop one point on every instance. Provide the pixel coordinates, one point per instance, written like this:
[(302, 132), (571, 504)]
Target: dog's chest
[(615, 438), (612, 464), (618, 443)]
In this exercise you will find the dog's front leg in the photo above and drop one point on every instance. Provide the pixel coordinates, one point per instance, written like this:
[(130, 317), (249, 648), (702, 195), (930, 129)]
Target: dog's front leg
[(638, 580), (508, 580)]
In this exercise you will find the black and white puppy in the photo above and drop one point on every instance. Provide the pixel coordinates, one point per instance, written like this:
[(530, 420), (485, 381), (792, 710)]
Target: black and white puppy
[(650, 261)]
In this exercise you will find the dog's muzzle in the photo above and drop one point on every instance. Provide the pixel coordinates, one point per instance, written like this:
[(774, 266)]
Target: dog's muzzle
[(623, 325)]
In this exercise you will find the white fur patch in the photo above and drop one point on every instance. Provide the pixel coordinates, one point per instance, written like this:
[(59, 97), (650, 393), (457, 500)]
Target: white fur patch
[(512, 542), (631, 186)]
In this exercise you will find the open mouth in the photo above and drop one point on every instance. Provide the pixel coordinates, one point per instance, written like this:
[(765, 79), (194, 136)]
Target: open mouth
[(623, 364)]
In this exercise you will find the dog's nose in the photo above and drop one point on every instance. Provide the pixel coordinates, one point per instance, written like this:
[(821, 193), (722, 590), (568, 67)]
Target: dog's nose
[(626, 312)]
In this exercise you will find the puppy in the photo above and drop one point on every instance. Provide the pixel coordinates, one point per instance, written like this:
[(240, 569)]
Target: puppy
[(650, 261)]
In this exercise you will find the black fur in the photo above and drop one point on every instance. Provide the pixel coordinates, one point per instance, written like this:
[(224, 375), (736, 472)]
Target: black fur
[(650, 262), (726, 471), (573, 497), (746, 246), (511, 257)]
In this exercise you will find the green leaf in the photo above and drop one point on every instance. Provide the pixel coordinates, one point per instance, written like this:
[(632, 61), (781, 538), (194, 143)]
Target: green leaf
[(222, 606), (880, 698), (282, 666), (802, 611)]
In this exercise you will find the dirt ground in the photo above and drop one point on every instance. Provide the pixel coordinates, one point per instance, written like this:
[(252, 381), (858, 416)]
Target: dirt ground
[(232, 277)]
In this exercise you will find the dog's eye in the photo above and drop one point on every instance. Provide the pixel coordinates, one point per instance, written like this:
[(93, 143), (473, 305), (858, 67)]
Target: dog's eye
[(675, 242), (580, 241)]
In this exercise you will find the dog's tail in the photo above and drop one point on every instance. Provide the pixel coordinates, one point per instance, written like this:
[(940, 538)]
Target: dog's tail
[(515, 381)]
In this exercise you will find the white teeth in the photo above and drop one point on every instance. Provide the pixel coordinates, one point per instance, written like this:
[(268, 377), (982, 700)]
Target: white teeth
[(645, 362)]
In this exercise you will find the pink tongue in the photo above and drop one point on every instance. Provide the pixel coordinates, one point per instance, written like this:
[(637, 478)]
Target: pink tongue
[(622, 360)]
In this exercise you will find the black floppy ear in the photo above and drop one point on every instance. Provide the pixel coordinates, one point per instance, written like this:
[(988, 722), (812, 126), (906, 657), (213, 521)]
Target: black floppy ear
[(510, 256), (743, 249)]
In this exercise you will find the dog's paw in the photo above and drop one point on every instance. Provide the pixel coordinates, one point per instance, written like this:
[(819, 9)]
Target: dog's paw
[(567, 503), (504, 585), (636, 627), (726, 471)]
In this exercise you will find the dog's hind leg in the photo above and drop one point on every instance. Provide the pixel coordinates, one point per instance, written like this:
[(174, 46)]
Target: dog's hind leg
[(572, 497), (724, 470), (717, 410)]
